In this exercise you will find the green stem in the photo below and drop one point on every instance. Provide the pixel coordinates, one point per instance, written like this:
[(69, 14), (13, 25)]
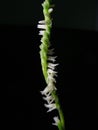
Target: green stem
[(61, 125)]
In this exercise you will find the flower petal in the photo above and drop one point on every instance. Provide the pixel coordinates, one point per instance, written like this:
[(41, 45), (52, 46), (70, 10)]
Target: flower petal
[(56, 119)]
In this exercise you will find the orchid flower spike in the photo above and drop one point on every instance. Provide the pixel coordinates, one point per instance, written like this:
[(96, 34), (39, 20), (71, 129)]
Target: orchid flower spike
[(48, 65)]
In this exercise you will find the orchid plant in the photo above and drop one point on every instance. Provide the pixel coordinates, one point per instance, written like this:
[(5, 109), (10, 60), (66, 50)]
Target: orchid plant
[(48, 65)]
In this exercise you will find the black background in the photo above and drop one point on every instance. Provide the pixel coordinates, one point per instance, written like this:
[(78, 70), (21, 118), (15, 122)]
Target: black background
[(22, 106)]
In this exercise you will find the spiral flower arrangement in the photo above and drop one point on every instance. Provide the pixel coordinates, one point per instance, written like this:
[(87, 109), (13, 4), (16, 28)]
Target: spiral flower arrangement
[(48, 65)]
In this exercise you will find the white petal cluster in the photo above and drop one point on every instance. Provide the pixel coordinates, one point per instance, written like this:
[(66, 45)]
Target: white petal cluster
[(47, 92), (41, 25)]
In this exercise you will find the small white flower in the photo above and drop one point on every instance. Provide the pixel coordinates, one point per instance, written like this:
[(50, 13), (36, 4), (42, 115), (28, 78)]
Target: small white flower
[(50, 10), (56, 119), (41, 26), (52, 66), (48, 90), (51, 78), (42, 22), (51, 58), (52, 72), (41, 32), (51, 106), (49, 99)]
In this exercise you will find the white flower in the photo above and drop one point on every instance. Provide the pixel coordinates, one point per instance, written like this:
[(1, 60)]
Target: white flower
[(50, 10), (48, 90), (52, 65), (56, 119), (42, 22), (51, 78), (41, 32), (41, 26), (51, 106), (49, 99), (51, 58), (51, 72)]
